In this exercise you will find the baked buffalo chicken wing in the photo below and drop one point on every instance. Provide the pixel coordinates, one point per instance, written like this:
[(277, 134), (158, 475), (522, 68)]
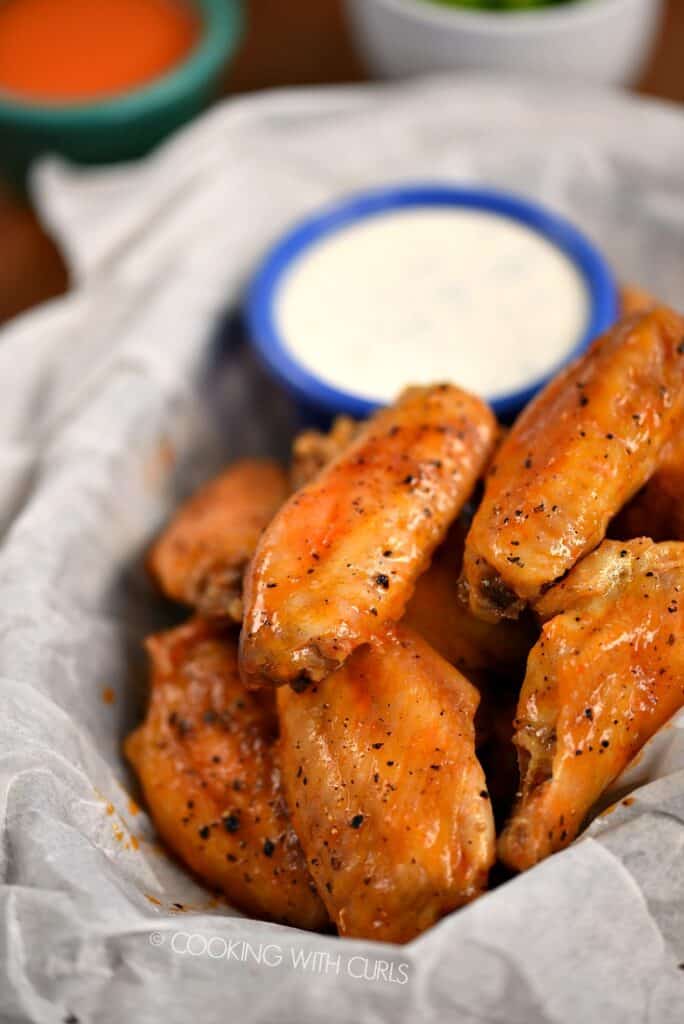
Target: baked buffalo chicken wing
[(201, 556), (386, 793), (206, 759), (312, 450), (341, 558), (657, 511), (438, 612), (578, 452), (606, 674)]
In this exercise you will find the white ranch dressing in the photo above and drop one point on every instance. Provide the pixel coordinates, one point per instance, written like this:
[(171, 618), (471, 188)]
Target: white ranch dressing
[(429, 294)]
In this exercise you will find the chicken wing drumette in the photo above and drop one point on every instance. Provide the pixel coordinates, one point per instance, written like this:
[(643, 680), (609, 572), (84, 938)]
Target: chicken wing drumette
[(206, 759), (578, 452), (201, 556), (385, 790), (606, 674), (341, 558)]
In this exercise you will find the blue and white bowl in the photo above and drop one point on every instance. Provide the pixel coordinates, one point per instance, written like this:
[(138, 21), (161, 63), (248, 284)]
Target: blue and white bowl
[(319, 393)]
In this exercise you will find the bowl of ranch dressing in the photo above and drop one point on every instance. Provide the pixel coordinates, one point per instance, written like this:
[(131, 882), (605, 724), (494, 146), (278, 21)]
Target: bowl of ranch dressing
[(414, 285)]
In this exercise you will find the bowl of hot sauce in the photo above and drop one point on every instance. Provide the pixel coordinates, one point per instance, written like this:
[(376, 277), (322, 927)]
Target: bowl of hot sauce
[(105, 81)]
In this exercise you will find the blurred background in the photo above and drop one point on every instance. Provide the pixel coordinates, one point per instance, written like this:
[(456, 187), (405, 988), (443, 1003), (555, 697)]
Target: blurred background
[(305, 42)]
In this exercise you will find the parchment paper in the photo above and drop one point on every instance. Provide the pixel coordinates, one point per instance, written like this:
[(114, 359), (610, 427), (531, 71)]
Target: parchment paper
[(119, 398)]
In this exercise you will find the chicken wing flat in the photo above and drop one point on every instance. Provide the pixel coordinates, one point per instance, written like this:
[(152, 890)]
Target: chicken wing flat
[(606, 674), (385, 790), (657, 511), (578, 452), (341, 558), (438, 612), (200, 557), (312, 449), (206, 759)]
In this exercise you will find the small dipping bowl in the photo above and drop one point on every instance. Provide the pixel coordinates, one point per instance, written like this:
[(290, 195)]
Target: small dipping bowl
[(126, 125), (423, 284)]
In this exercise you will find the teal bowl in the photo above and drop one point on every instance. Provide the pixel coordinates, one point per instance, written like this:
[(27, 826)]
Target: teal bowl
[(126, 126)]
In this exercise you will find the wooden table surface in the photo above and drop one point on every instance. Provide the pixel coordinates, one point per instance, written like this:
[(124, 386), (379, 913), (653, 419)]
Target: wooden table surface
[(287, 43)]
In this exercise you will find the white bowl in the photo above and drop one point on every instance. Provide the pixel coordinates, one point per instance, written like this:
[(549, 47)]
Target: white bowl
[(601, 41)]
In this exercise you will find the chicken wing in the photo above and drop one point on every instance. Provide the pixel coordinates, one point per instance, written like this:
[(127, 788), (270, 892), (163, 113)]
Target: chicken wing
[(342, 556), (207, 763), (312, 450), (578, 452), (657, 511), (201, 556), (438, 612), (606, 674), (385, 790)]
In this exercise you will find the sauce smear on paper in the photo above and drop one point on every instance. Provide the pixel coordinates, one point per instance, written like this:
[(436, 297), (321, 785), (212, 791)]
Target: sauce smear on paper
[(58, 51)]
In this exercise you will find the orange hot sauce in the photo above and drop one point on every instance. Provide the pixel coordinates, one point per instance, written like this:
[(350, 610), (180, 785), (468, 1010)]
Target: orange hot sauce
[(79, 50)]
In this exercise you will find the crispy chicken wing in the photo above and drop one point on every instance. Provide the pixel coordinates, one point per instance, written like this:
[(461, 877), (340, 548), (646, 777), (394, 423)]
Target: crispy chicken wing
[(207, 763), (606, 674), (201, 556), (312, 450), (438, 612), (657, 511), (341, 558), (385, 790), (578, 452)]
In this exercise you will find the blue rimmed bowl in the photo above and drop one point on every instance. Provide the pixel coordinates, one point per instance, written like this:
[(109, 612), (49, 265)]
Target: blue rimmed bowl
[(125, 126), (319, 398)]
